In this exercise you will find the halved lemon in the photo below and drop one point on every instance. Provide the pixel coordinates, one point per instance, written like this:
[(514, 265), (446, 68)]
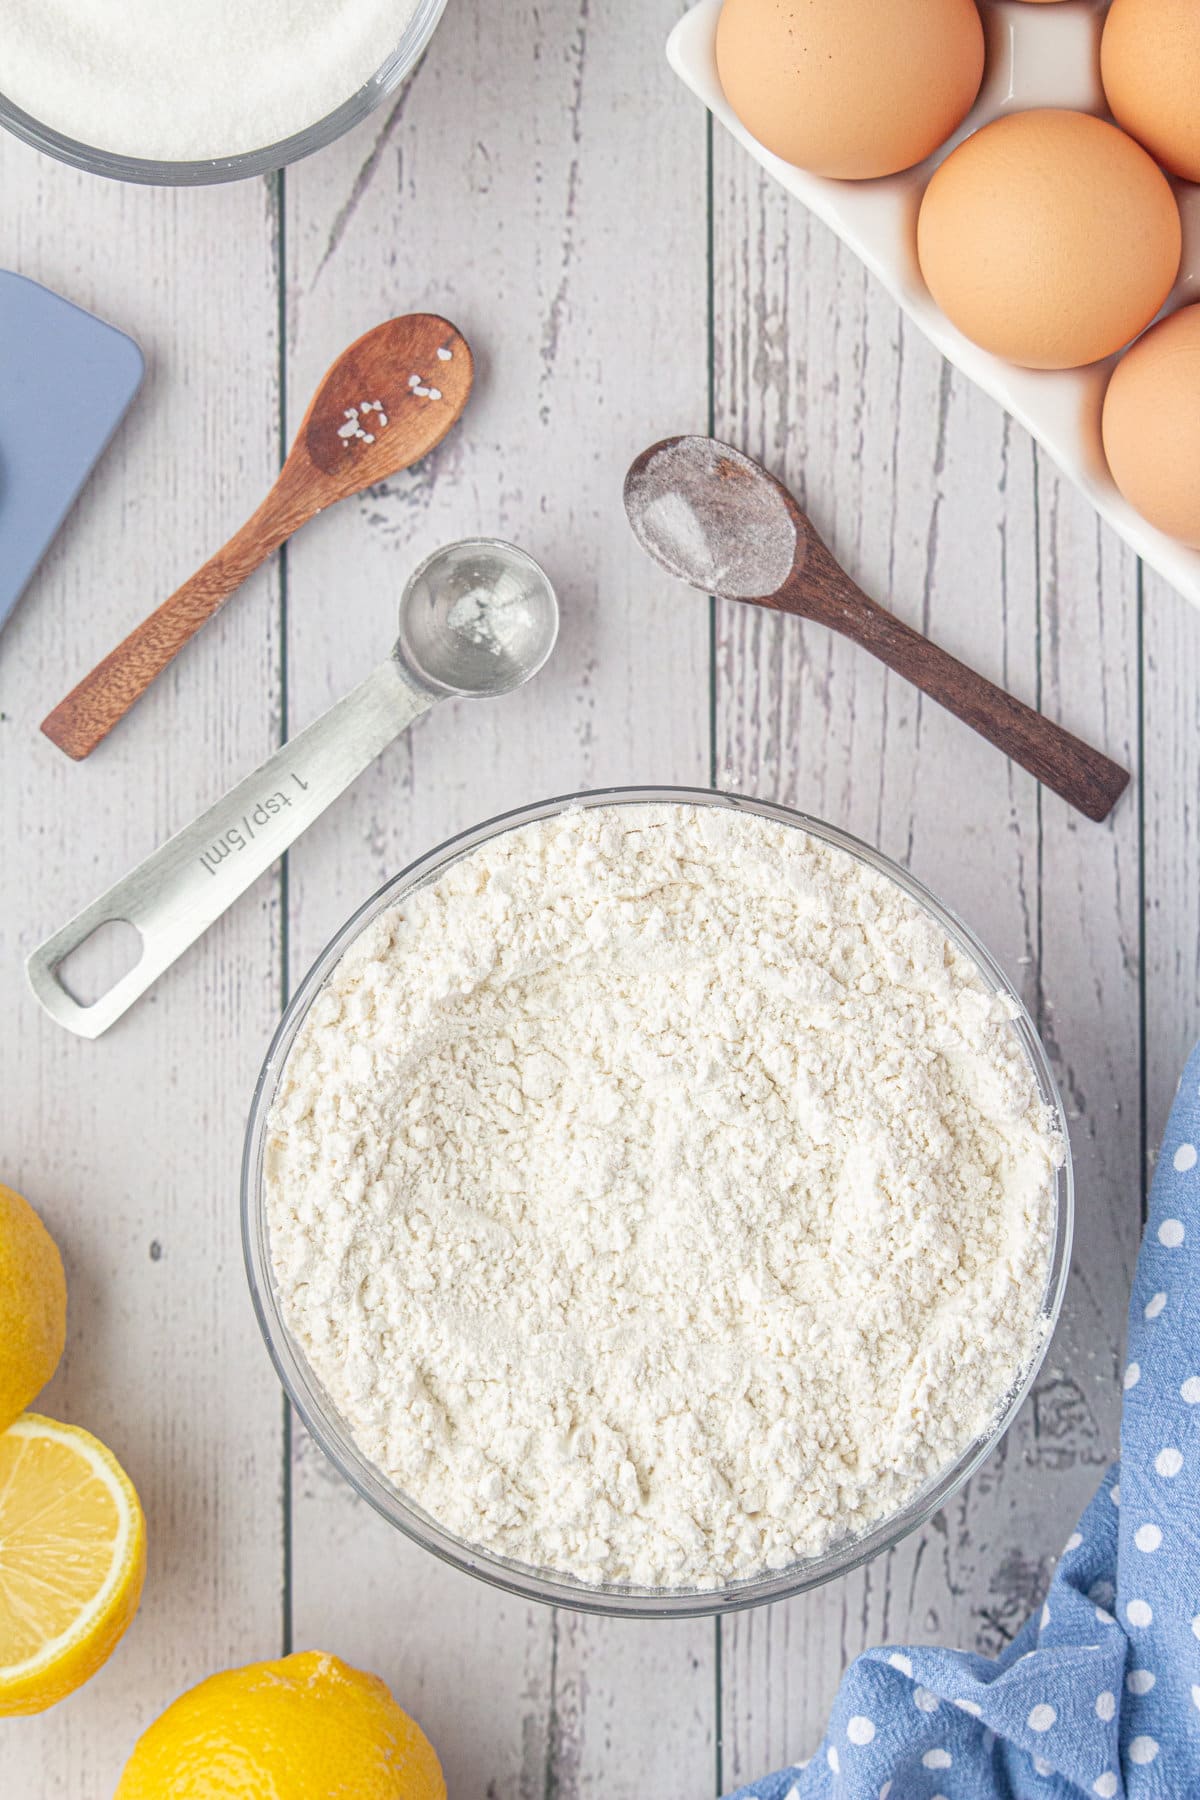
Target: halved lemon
[(72, 1560)]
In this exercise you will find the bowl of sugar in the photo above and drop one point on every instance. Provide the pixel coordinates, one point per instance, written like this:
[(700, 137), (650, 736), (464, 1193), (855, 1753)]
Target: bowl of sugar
[(216, 90), (656, 1203)]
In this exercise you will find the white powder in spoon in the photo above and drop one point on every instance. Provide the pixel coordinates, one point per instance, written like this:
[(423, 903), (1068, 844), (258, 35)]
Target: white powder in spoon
[(184, 80), (713, 517), (660, 1196), (495, 622)]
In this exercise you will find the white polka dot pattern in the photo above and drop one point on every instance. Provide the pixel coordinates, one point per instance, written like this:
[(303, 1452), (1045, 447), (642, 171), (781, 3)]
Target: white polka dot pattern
[(1168, 1462), (860, 1729)]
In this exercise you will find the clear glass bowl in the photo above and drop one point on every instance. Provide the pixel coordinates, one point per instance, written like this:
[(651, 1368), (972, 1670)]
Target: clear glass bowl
[(385, 81), (548, 1585)]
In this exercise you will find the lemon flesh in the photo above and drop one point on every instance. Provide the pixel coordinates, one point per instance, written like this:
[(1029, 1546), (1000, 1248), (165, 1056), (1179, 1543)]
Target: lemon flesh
[(72, 1560), (307, 1727)]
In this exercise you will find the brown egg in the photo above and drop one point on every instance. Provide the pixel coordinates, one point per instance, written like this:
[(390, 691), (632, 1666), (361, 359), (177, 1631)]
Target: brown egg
[(1050, 238), (1151, 425), (1150, 65), (847, 88)]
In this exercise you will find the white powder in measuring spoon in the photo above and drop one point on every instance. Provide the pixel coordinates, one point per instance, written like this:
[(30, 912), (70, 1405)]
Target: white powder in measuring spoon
[(492, 621), (660, 1196), (177, 82)]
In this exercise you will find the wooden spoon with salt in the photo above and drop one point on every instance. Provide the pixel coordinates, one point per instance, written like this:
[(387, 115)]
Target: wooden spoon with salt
[(720, 522), (383, 405)]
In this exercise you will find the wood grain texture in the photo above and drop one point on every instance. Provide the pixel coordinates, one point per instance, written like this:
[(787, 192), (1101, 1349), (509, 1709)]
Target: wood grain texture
[(738, 502), (544, 183), (1084, 777), (539, 157), (1089, 992), (928, 495), (131, 1147), (1170, 673)]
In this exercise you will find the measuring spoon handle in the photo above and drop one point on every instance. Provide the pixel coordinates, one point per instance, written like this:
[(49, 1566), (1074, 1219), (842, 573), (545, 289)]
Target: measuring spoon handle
[(182, 888)]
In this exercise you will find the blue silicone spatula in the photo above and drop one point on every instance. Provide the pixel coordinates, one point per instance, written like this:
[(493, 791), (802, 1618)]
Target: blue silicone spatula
[(66, 379)]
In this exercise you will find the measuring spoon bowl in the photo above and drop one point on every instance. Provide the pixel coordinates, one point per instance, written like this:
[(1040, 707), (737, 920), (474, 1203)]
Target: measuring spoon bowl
[(477, 619)]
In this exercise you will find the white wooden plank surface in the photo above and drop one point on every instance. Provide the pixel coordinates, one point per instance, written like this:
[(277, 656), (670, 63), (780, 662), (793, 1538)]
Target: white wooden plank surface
[(1170, 667), (545, 184), (928, 494), (479, 198), (130, 1146)]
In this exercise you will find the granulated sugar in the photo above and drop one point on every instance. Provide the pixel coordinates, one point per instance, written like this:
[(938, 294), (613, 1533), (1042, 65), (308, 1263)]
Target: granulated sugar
[(660, 1197), (173, 82)]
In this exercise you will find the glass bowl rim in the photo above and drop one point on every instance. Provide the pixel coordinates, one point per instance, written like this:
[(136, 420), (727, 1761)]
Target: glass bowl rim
[(154, 172), (552, 1587)]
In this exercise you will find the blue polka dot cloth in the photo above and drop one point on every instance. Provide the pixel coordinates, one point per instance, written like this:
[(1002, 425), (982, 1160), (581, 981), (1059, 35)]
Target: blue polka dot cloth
[(1099, 1694)]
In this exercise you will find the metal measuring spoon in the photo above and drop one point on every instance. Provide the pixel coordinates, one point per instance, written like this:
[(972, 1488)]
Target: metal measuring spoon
[(477, 619)]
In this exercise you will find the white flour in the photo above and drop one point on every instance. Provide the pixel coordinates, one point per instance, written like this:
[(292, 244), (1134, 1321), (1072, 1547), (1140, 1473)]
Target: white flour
[(660, 1197), (182, 82)]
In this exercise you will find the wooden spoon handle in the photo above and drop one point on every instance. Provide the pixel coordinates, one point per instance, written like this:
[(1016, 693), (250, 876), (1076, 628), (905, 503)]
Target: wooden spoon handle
[(101, 699), (1085, 778)]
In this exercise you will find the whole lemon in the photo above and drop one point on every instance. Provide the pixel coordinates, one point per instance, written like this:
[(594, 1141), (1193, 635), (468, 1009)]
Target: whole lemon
[(305, 1728), (33, 1306)]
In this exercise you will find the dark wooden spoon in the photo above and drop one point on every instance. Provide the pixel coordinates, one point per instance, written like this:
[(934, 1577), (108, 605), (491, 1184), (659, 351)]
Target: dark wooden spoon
[(719, 521), (382, 406)]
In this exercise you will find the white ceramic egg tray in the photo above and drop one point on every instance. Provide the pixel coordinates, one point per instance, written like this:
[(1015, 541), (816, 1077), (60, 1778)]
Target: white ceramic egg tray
[(1036, 56)]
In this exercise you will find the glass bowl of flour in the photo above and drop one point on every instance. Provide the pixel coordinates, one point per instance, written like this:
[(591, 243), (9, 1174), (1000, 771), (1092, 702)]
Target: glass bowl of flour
[(656, 1203), (216, 90)]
